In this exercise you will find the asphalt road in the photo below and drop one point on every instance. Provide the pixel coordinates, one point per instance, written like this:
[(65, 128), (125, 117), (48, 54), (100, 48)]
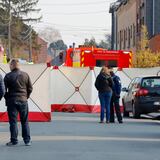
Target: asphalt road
[(79, 136)]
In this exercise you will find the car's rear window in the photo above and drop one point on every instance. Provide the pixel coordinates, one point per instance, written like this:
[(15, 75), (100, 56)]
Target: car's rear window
[(151, 82)]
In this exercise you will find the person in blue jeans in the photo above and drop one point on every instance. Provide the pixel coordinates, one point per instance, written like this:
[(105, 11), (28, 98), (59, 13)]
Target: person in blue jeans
[(104, 85), (18, 89)]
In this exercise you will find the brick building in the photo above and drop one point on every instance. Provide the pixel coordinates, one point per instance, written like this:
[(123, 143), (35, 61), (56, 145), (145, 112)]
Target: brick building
[(41, 56), (38, 56), (154, 43), (127, 18)]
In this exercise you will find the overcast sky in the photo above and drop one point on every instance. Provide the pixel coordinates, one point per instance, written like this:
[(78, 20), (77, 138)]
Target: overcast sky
[(77, 20)]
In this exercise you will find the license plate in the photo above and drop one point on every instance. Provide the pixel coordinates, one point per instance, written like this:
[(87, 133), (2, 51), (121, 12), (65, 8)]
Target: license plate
[(156, 103)]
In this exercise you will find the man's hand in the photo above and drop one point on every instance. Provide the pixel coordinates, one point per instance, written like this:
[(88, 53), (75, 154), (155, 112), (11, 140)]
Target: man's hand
[(117, 96)]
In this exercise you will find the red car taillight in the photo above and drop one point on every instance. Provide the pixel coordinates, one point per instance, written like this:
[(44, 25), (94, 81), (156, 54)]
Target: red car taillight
[(141, 92)]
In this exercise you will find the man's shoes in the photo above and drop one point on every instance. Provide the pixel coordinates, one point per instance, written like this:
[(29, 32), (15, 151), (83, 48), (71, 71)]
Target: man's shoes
[(11, 143), (107, 121), (101, 122), (28, 143), (112, 122), (121, 121)]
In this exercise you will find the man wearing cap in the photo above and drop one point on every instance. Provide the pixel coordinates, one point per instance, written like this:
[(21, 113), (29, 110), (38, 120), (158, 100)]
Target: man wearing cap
[(116, 88)]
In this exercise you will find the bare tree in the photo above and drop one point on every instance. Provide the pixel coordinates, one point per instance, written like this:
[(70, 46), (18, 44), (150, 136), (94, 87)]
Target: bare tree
[(50, 34)]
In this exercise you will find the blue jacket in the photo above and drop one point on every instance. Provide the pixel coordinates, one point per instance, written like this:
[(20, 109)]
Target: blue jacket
[(117, 85), (2, 87)]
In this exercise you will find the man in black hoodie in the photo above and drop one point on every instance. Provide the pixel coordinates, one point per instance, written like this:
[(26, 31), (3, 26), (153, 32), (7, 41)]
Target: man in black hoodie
[(18, 89)]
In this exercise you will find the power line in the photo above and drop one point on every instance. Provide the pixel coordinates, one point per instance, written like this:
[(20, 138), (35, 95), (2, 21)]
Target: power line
[(76, 13), (82, 29), (73, 27), (70, 26), (81, 35), (74, 4), (29, 33)]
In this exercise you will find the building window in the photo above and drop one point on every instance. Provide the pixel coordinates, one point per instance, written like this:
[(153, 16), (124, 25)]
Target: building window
[(126, 34), (120, 44), (131, 31), (137, 29), (142, 20), (129, 37), (124, 39), (118, 38), (134, 35)]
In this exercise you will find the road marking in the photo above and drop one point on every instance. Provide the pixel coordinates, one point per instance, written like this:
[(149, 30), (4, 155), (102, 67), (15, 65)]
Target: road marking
[(4, 137), (92, 138), (96, 119)]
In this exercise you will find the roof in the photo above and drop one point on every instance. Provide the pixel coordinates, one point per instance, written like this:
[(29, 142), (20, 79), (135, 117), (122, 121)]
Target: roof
[(115, 6)]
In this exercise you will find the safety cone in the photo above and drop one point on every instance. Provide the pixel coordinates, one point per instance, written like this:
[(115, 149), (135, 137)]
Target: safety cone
[(4, 59)]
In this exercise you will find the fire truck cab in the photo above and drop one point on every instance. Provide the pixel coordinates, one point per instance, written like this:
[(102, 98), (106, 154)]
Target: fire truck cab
[(84, 56)]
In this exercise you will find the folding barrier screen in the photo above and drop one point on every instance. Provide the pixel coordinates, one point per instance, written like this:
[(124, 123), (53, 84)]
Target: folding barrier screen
[(66, 89), (73, 90), (39, 106)]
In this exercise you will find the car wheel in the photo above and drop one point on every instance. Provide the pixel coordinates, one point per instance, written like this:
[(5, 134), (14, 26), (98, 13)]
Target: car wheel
[(125, 113), (135, 111)]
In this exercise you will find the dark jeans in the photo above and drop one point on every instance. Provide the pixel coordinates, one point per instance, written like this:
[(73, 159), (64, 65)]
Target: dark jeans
[(13, 110), (115, 105), (105, 99)]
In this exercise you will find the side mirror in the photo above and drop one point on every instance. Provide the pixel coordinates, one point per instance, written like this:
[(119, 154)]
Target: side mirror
[(124, 89)]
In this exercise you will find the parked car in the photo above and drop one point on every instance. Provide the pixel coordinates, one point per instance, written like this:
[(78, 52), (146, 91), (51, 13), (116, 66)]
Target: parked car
[(142, 96)]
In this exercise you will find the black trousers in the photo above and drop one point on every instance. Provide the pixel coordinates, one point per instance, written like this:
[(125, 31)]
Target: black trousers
[(13, 110), (115, 107)]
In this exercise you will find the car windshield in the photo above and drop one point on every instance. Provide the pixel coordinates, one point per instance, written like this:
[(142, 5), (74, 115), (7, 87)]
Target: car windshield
[(151, 82)]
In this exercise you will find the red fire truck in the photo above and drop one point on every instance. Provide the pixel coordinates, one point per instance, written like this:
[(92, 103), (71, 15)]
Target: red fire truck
[(84, 56)]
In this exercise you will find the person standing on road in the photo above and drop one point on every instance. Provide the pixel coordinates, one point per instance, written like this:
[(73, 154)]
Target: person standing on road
[(115, 98), (18, 89), (104, 85)]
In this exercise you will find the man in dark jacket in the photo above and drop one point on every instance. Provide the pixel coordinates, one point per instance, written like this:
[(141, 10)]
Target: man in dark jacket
[(18, 89), (115, 98)]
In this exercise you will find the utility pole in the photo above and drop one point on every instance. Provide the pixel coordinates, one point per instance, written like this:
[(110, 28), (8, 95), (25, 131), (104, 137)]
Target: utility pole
[(27, 36), (9, 31), (30, 46)]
